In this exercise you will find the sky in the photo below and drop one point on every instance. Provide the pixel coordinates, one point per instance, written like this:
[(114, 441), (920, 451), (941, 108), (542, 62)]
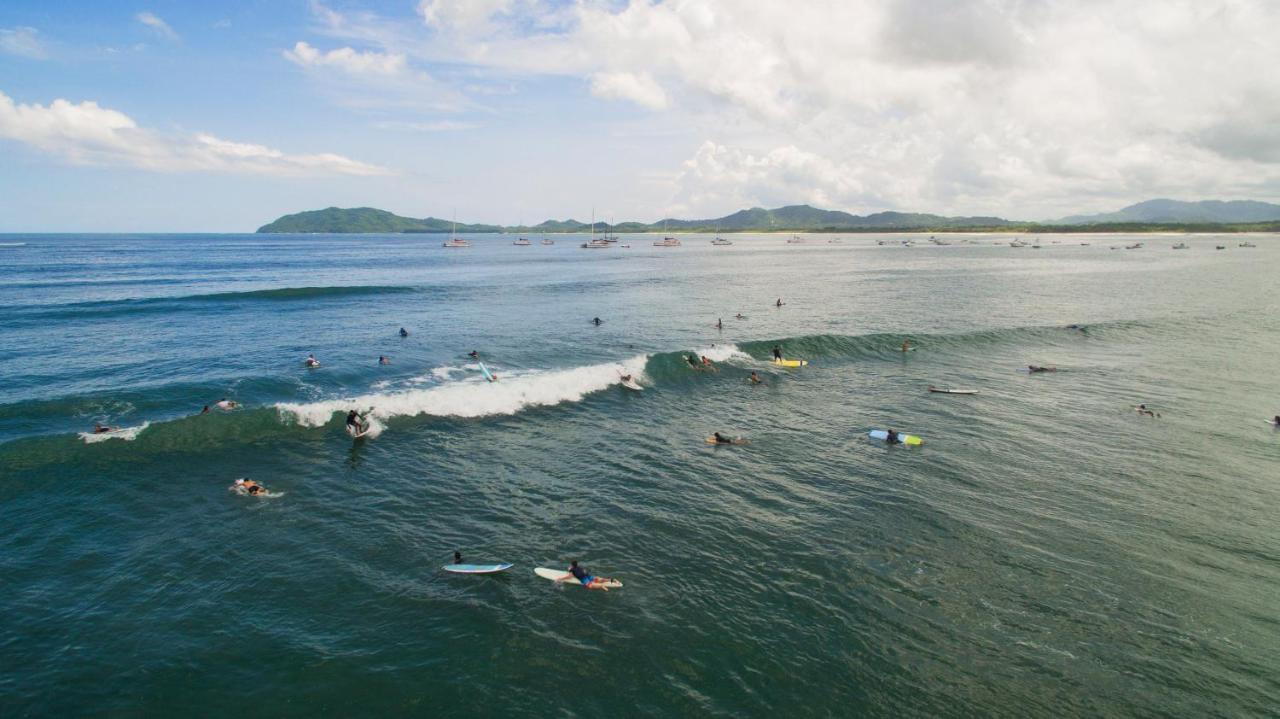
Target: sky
[(172, 116)]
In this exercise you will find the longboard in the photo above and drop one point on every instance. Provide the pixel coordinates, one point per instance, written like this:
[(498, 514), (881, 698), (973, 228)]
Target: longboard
[(631, 384), (554, 574), (476, 568), (907, 439), (485, 371), (360, 434), (937, 390), (790, 363)]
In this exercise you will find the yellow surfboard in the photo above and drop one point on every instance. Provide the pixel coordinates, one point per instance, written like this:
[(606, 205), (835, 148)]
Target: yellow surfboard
[(790, 363)]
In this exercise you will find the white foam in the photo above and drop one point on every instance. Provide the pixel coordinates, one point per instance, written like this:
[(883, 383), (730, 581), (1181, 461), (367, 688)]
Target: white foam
[(470, 397), (128, 434), (722, 353)]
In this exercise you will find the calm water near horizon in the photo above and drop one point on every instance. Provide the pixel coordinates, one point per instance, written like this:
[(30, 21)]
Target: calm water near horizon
[(1047, 552)]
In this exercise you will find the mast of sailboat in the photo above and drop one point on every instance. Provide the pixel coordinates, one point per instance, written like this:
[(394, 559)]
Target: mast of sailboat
[(593, 224), (453, 233)]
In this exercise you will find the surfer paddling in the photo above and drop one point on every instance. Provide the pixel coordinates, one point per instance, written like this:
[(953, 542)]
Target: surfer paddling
[(248, 486), (1142, 409), (311, 361), (587, 580), (102, 428), (1037, 368)]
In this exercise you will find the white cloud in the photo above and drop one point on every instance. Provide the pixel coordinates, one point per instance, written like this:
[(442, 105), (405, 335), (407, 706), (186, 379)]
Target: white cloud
[(638, 88), (22, 41), (86, 133), (1026, 109), (157, 25), (347, 60)]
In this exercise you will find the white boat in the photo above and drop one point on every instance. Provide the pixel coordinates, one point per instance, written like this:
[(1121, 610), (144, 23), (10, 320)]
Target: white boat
[(667, 242), (1180, 246), (454, 240), (795, 240), (721, 241), (522, 242), (594, 243), (545, 241), (1246, 244)]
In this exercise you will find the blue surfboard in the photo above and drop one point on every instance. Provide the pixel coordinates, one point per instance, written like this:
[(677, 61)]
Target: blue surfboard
[(485, 371), (477, 568)]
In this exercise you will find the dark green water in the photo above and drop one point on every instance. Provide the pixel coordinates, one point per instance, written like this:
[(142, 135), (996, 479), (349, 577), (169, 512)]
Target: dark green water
[(1047, 551)]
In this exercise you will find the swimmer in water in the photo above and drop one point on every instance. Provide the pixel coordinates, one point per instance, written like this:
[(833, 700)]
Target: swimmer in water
[(404, 332), (739, 316), (597, 321), (457, 557), (312, 361), (755, 378), (383, 359), (906, 345), (205, 410)]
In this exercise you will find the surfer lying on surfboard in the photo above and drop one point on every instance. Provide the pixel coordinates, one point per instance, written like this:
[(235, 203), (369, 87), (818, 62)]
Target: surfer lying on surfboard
[(588, 581), (718, 438), (248, 486)]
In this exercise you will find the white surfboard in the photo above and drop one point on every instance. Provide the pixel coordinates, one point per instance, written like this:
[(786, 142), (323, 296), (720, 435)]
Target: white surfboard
[(939, 390), (357, 435), (476, 568), (555, 574), (631, 384)]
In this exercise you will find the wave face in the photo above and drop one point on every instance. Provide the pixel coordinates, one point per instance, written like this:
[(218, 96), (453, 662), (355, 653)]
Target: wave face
[(471, 397)]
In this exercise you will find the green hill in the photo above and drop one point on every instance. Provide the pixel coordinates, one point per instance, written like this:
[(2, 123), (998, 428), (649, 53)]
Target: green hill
[(337, 220)]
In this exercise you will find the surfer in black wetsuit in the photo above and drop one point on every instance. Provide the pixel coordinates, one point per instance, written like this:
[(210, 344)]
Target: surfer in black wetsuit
[(457, 557), (777, 352), (693, 362), (719, 323), (354, 422), (779, 302), (404, 332), (892, 438), (721, 439), (597, 321), (473, 354)]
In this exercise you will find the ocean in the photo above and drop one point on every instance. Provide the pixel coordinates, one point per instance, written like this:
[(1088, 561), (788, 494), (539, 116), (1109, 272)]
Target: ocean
[(1048, 551)]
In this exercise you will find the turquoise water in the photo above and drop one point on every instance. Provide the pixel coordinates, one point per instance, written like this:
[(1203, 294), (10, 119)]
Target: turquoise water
[(1046, 552)]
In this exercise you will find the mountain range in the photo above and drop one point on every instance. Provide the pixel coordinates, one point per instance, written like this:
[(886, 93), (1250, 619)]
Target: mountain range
[(1160, 214)]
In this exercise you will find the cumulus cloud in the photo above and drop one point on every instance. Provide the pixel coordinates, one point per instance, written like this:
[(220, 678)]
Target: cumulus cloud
[(86, 133), (22, 41), (157, 25), (1007, 107)]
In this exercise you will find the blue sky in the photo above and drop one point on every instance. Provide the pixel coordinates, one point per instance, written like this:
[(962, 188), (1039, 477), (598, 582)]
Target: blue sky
[(176, 116)]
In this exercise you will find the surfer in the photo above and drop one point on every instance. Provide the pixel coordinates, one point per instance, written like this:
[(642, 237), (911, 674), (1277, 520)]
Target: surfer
[(383, 359), (755, 378), (1037, 368), (248, 486), (906, 345), (779, 302), (721, 439), (719, 323), (102, 428), (355, 423), (597, 321), (693, 362), (473, 354), (626, 378), (892, 438), (457, 557), (739, 316), (1142, 409), (312, 361), (404, 332), (1276, 420), (777, 352), (205, 410), (707, 362), (583, 576)]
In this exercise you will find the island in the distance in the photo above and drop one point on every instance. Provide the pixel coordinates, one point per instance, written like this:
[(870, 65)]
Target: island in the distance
[(1149, 216)]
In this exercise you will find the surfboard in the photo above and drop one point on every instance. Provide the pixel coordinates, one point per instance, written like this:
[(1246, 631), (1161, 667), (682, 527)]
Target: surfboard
[(312, 365), (476, 568), (736, 440), (909, 349), (554, 574), (908, 439), (790, 362), (361, 433), (485, 371), (631, 384), (938, 390)]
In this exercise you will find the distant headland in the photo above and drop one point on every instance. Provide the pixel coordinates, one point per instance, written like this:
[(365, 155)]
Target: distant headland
[(1148, 216)]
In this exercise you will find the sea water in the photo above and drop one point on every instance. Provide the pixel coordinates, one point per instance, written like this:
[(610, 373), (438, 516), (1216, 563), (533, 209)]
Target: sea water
[(1048, 551)]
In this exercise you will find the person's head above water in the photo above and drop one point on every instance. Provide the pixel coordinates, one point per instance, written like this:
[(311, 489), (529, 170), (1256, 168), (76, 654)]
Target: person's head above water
[(573, 563), (457, 557)]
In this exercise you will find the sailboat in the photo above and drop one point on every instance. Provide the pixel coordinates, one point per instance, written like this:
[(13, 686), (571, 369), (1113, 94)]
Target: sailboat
[(666, 241), (718, 239), (593, 243), (454, 240)]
